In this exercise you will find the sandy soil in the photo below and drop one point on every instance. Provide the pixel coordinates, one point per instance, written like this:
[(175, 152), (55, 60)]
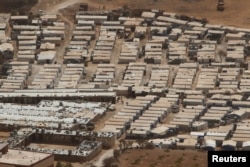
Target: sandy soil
[(163, 158), (4, 135), (236, 12), (13, 5), (49, 146), (109, 114)]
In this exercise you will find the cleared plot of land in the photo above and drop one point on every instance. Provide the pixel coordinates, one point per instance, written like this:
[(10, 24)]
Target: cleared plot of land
[(163, 158), (4, 135), (236, 12), (49, 146)]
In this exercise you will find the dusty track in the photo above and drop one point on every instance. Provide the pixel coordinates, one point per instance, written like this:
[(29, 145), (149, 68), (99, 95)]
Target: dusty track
[(69, 29)]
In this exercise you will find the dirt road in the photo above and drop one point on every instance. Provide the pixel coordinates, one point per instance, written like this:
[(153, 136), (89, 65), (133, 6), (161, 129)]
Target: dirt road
[(54, 6), (106, 154)]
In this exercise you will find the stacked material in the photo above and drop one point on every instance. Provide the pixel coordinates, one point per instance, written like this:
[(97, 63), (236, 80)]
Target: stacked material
[(245, 81), (104, 47), (159, 76), (153, 53), (46, 77), (177, 51), (129, 52), (71, 76), (185, 76), (187, 117), (134, 74), (104, 73), (229, 78), (215, 115), (207, 78), (17, 76), (77, 50)]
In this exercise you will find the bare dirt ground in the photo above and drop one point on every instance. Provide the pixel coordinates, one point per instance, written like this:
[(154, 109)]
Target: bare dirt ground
[(163, 158), (4, 135), (12, 5), (101, 123), (236, 12), (49, 146)]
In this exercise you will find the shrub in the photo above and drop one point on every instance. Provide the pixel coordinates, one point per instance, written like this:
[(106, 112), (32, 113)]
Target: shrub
[(136, 162)]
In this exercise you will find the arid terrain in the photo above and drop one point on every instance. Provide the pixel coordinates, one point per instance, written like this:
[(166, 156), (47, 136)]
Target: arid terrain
[(236, 12), (163, 158)]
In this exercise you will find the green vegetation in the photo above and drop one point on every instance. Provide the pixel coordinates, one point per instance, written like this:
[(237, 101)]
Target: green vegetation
[(179, 160), (153, 165), (110, 162), (60, 164), (195, 158), (161, 157), (196, 165), (137, 162), (167, 150), (68, 165)]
